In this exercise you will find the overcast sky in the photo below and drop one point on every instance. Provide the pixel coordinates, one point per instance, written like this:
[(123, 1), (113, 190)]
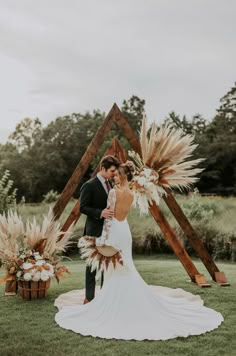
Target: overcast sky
[(64, 56)]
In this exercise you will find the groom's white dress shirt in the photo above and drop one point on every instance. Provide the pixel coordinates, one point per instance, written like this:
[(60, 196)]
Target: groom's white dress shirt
[(102, 180)]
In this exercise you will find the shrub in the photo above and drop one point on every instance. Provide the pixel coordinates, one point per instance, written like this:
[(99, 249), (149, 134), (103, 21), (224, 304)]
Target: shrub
[(7, 194), (51, 196), (198, 209)]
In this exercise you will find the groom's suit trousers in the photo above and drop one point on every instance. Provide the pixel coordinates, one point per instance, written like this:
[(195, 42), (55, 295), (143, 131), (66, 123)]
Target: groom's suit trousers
[(93, 199), (90, 283)]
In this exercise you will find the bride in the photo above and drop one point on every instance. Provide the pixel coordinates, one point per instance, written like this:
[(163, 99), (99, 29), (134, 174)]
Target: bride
[(126, 307)]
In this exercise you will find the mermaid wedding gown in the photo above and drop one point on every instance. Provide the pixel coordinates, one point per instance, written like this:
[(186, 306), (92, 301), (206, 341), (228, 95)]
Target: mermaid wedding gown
[(127, 308)]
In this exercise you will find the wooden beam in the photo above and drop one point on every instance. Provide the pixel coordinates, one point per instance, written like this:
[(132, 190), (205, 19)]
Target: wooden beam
[(115, 115), (135, 144), (119, 151), (114, 148), (201, 282), (128, 132), (221, 279), (174, 241), (154, 209), (84, 164), (73, 217), (194, 239)]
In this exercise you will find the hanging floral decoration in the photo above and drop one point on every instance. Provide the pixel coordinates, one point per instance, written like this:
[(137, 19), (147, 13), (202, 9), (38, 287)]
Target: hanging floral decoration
[(164, 164)]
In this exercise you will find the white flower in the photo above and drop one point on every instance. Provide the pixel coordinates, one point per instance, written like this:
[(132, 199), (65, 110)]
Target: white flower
[(18, 274), (36, 277), (27, 276), (40, 262), (22, 256), (44, 276), (51, 270), (141, 181), (27, 265), (37, 256), (147, 172)]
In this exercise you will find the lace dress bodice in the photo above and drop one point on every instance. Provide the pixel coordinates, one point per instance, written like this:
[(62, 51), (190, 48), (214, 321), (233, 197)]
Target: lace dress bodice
[(104, 238)]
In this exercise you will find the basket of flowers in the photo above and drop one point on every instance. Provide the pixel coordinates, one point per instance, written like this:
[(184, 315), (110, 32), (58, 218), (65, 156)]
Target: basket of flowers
[(31, 254)]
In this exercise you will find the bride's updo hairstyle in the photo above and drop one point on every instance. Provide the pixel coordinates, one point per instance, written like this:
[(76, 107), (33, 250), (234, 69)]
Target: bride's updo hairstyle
[(126, 170)]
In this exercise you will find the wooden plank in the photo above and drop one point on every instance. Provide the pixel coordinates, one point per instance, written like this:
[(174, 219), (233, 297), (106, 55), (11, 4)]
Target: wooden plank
[(119, 151), (194, 239), (10, 287), (72, 218), (84, 164), (115, 115), (135, 144), (42, 286), (201, 281), (34, 289), (75, 213), (174, 241), (128, 132), (27, 294), (221, 279), (109, 151)]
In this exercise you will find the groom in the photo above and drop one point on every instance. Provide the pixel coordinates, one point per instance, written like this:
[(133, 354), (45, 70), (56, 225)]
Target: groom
[(93, 203)]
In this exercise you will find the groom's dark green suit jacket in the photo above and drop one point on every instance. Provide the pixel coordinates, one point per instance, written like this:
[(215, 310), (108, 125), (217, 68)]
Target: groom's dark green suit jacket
[(93, 199)]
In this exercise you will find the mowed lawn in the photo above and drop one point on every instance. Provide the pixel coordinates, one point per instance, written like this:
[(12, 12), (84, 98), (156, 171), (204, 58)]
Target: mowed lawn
[(28, 328)]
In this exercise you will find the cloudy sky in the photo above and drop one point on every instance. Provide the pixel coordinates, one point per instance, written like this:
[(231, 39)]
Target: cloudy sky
[(60, 56)]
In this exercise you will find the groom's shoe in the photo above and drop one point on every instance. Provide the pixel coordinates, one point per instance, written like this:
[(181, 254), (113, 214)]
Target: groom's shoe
[(86, 301)]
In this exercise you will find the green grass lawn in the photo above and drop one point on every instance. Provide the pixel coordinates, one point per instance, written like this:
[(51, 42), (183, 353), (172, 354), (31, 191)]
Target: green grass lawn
[(28, 328)]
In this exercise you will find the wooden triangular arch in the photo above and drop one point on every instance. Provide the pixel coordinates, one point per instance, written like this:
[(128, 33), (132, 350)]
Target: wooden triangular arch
[(116, 116)]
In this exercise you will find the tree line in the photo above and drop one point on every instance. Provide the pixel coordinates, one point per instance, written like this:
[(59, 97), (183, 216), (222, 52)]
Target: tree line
[(41, 159)]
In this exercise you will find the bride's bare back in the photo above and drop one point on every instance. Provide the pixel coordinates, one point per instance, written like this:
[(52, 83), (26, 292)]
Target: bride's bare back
[(124, 199)]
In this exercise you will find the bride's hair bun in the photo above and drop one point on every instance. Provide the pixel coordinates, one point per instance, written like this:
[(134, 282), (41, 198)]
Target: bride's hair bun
[(129, 169)]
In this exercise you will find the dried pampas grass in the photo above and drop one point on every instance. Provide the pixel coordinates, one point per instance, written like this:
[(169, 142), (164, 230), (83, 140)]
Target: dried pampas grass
[(167, 151), (47, 239)]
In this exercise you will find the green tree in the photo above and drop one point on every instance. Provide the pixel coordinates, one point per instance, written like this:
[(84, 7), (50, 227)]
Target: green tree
[(26, 133), (227, 111), (195, 126), (218, 145), (134, 110)]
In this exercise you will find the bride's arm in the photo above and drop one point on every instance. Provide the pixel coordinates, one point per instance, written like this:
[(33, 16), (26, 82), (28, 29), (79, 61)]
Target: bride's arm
[(111, 201)]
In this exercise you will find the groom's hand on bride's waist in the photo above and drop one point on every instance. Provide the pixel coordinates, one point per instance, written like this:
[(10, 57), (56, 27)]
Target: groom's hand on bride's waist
[(107, 213)]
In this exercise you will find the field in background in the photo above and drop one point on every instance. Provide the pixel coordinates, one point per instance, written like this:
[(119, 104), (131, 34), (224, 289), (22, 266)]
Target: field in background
[(214, 218)]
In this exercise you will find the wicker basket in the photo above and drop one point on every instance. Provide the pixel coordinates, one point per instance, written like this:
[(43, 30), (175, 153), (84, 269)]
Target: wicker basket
[(33, 290), (11, 287)]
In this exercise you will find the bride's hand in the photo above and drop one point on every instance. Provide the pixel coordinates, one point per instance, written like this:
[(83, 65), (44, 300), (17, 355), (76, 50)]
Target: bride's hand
[(107, 213)]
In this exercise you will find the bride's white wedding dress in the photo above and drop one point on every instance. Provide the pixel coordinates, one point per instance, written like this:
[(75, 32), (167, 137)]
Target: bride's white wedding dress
[(127, 308)]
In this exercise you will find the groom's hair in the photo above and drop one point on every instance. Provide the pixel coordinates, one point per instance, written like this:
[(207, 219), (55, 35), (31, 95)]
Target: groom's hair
[(108, 161)]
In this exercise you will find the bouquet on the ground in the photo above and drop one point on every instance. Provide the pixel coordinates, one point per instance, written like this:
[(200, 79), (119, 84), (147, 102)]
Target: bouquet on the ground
[(164, 164), (31, 252)]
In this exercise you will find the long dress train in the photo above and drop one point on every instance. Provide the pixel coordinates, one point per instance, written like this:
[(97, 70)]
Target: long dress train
[(127, 308)]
